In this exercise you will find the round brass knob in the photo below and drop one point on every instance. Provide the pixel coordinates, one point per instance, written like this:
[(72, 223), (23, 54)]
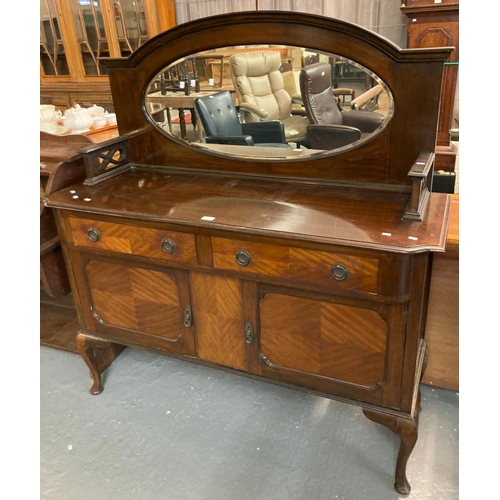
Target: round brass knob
[(339, 272), (168, 246), (243, 258), (93, 234)]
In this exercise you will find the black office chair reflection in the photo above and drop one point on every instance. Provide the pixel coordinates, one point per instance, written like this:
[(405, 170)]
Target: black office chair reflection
[(219, 117), (329, 127)]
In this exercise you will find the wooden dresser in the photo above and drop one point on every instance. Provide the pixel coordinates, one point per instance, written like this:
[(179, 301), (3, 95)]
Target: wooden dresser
[(311, 273)]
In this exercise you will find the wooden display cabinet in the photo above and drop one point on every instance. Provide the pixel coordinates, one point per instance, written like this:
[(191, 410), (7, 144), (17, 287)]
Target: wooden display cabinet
[(310, 271), (436, 24), (74, 36)]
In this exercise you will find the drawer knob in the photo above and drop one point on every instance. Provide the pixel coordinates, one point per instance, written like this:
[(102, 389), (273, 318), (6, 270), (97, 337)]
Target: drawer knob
[(243, 258), (93, 234), (168, 246), (339, 272)]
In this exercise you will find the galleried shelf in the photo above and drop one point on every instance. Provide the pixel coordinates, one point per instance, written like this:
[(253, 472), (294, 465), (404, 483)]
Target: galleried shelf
[(305, 266)]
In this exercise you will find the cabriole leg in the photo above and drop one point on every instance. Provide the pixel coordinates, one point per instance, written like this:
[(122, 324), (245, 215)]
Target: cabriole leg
[(98, 355), (407, 430)]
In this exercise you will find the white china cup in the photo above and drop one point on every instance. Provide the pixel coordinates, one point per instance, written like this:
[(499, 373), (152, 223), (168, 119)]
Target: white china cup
[(111, 118), (95, 110), (100, 121), (48, 113)]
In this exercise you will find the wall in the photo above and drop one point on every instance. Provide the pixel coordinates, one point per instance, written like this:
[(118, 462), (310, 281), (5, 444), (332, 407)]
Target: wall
[(381, 16)]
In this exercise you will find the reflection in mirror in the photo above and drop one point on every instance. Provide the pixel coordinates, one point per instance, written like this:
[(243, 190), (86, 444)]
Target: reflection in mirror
[(268, 102)]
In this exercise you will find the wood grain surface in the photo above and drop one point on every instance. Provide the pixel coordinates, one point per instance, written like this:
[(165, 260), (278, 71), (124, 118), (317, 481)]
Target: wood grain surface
[(297, 264), (331, 340), (135, 240), (360, 218), (218, 309), (135, 298)]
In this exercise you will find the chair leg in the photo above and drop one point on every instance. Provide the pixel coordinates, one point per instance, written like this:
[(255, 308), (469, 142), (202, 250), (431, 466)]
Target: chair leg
[(169, 120)]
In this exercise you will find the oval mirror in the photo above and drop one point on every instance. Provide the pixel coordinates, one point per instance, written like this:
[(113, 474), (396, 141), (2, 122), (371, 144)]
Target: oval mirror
[(277, 102)]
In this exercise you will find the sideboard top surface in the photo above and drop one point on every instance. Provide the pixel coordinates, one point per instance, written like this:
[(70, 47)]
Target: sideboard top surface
[(324, 214)]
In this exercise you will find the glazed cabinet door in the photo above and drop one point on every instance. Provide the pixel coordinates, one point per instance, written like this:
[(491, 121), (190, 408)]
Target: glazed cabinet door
[(135, 304), (74, 34), (343, 347)]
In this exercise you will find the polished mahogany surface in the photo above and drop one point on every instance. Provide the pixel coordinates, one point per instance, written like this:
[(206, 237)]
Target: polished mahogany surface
[(285, 209)]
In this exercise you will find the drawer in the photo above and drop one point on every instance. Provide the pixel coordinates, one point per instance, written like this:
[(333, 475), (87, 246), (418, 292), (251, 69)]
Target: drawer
[(133, 240), (293, 263)]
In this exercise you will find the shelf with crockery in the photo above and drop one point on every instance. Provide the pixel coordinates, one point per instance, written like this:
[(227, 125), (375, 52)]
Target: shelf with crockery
[(75, 120)]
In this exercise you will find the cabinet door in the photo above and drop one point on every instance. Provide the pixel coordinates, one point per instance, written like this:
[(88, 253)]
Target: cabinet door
[(220, 329), (138, 305), (342, 347), (53, 52)]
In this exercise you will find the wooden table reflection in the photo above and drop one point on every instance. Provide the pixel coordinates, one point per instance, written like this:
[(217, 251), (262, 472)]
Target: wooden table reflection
[(181, 102)]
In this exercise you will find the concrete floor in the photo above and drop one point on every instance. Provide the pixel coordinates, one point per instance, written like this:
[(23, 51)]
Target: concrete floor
[(167, 429)]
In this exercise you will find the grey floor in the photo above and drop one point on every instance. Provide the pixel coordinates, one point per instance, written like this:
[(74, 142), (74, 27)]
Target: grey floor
[(168, 429)]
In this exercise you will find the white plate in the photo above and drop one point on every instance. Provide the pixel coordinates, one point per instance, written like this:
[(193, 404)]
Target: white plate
[(61, 130)]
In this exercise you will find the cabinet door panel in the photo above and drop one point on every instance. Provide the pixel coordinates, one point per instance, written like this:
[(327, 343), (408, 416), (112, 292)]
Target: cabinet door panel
[(217, 301), (340, 348), (331, 340), (143, 303)]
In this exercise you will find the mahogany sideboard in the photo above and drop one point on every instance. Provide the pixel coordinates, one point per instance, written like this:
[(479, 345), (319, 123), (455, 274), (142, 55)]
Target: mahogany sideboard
[(311, 272)]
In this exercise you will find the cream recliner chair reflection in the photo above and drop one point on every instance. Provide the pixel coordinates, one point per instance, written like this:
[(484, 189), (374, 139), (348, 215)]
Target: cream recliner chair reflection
[(261, 92)]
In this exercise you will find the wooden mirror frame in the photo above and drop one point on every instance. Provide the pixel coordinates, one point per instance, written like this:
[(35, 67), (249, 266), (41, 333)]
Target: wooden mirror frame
[(413, 76), (155, 98)]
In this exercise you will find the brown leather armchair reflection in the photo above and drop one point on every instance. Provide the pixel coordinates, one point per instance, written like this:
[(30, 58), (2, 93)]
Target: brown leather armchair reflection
[(261, 92), (331, 128)]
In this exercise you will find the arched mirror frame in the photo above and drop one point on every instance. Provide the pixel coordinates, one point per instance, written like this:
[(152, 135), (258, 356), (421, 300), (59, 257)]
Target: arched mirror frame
[(413, 76)]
